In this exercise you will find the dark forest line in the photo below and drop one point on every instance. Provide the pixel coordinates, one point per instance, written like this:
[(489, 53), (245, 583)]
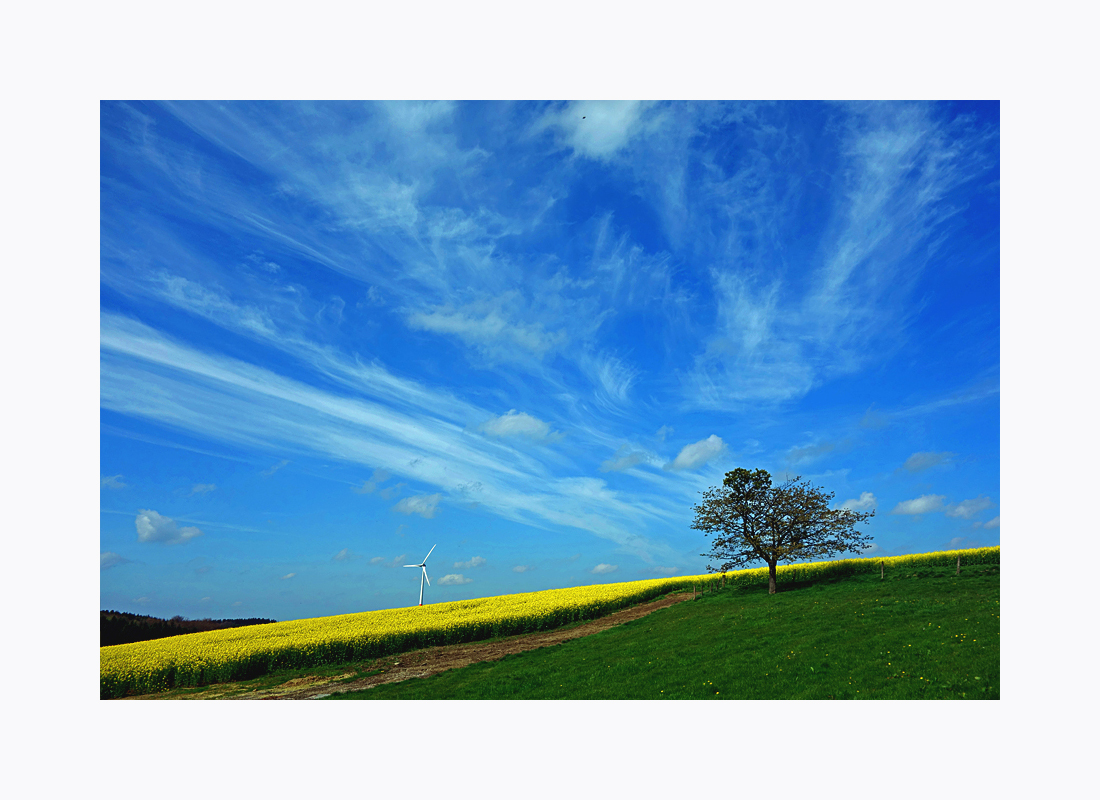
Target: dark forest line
[(118, 627)]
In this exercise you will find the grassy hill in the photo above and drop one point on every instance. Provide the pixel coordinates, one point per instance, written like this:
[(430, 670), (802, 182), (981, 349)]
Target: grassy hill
[(921, 634), (246, 653)]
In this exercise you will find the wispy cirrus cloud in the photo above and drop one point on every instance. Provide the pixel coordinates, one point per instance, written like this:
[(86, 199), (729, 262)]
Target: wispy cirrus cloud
[(112, 482), (982, 389), (776, 338), (611, 377), (234, 402), (491, 327)]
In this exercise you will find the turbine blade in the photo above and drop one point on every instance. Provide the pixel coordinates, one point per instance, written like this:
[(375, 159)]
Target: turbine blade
[(430, 552), (412, 565), (426, 575)]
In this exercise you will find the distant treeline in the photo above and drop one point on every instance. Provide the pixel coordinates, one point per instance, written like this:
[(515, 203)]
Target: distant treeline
[(118, 627)]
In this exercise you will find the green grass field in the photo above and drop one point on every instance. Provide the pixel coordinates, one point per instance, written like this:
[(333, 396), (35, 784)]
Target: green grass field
[(922, 633)]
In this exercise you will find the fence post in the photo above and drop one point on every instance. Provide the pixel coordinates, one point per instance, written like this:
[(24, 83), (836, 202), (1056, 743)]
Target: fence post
[(693, 591), (882, 570), (958, 564)]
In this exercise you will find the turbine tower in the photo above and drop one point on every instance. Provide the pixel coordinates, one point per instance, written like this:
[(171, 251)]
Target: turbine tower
[(423, 574)]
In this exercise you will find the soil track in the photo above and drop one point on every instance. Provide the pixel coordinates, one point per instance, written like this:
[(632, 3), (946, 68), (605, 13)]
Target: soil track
[(426, 662)]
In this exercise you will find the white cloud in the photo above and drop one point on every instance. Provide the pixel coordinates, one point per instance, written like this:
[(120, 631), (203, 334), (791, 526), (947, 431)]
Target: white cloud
[(152, 527), (288, 576), (202, 488), (799, 455), (257, 259), (518, 423), (108, 560), (921, 505), (200, 565), (968, 508), (112, 482), (695, 455), (274, 468), (378, 560), (625, 458), (603, 569), (424, 505), (922, 461), (380, 476), (476, 561), (866, 500), (454, 580), (596, 129), (993, 523), (391, 491), (663, 432), (344, 555), (521, 568), (873, 419), (666, 570)]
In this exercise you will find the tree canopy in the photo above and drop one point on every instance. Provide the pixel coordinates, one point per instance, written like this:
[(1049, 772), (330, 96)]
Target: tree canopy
[(751, 520)]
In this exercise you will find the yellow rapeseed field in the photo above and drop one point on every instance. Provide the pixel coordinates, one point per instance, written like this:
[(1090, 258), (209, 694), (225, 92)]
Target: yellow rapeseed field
[(196, 659)]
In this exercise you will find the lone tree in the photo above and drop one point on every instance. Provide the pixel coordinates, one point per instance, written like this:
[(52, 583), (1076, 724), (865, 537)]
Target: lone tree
[(750, 519)]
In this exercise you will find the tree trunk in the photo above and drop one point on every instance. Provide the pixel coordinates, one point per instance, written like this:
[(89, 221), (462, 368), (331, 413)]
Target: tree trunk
[(771, 577)]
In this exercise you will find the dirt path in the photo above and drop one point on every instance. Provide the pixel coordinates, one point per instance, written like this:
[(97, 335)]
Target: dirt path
[(430, 661)]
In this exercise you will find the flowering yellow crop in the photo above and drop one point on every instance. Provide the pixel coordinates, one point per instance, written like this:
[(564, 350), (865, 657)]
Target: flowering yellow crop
[(196, 659)]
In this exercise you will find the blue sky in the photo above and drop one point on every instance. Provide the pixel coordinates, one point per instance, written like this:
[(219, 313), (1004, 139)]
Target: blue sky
[(333, 335)]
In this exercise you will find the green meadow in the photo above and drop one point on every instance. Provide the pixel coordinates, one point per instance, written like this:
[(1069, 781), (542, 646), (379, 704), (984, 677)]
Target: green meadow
[(922, 633)]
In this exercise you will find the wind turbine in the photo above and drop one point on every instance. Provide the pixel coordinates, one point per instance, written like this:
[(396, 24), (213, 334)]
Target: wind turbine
[(423, 574)]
